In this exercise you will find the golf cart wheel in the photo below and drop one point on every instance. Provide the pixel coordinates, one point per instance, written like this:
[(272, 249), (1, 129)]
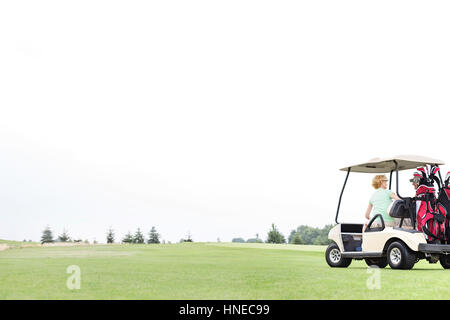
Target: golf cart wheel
[(379, 262), (334, 257), (399, 256), (445, 261)]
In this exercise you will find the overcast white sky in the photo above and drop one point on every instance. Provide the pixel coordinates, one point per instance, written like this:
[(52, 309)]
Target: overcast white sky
[(214, 117)]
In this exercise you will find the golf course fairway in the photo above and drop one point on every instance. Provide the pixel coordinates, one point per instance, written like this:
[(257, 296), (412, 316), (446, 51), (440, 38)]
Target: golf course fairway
[(206, 271)]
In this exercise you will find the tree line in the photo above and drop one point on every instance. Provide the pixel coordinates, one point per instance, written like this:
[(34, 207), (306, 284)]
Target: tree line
[(137, 237), (302, 235)]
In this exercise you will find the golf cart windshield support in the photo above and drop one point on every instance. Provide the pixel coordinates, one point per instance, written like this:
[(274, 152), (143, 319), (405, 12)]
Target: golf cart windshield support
[(396, 177), (342, 191), (390, 179)]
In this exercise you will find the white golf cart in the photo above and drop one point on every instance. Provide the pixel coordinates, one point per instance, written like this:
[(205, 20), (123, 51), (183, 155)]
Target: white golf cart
[(400, 247)]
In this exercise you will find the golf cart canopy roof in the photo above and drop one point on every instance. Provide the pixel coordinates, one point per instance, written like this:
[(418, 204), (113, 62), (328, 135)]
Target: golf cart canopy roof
[(385, 165)]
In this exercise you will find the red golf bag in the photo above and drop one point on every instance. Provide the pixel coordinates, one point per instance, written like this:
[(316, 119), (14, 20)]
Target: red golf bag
[(444, 200), (430, 214)]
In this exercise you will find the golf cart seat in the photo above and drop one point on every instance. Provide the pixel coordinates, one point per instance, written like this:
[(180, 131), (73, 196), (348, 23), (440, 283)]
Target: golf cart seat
[(398, 209), (403, 209)]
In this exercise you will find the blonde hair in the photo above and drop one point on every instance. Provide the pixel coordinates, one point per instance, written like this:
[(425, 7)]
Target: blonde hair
[(377, 180)]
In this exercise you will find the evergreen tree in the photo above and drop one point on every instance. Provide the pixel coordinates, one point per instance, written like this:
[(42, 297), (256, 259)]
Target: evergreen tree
[(64, 237), (128, 238), (274, 236), (138, 237), (47, 235), (110, 236), (153, 236), (189, 238), (297, 239)]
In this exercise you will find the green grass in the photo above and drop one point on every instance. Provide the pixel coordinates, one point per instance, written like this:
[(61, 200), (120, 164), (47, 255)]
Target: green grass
[(12, 243), (205, 271)]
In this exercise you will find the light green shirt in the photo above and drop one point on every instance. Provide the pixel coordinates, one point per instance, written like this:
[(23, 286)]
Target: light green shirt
[(380, 200)]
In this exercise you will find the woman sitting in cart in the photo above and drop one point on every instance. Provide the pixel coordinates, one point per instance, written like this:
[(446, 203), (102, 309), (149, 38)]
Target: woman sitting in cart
[(380, 201)]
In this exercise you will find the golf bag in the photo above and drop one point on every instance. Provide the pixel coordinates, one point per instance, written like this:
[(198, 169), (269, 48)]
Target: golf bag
[(444, 201), (430, 214)]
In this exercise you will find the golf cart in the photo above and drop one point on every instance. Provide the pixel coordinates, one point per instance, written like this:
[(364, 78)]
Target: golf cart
[(400, 247)]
